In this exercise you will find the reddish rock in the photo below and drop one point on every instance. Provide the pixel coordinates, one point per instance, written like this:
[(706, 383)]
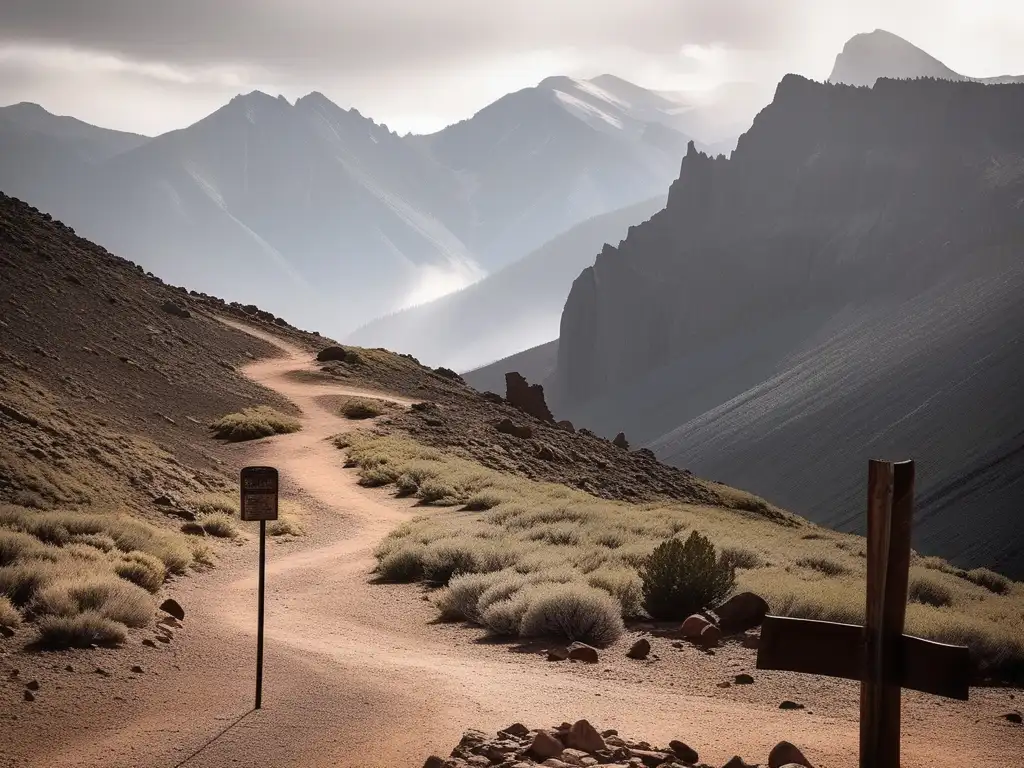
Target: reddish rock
[(741, 612), (710, 636), (526, 397), (173, 607), (583, 652), (584, 736), (693, 626), (683, 751), (785, 754), (544, 746), (640, 649)]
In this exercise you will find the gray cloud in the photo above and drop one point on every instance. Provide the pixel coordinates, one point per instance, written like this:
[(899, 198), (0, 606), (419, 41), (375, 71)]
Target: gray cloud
[(290, 36)]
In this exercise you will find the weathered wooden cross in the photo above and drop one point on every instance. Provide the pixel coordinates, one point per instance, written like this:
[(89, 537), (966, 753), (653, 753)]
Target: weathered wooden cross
[(878, 654)]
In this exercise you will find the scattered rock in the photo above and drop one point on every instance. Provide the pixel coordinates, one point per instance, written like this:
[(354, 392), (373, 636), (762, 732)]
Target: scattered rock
[(582, 735), (650, 758), (693, 626), (787, 704), (137, 669), (710, 636), (164, 638), (558, 653), (509, 427), (725, 684), (12, 674), (784, 754), (32, 685), (173, 308), (620, 441), (566, 426), (544, 746), (148, 641), (101, 671), (683, 751), (69, 668), (583, 652), (545, 453), (526, 397), (640, 649), (1014, 717), (744, 679), (6, 631), (29, 696), (163, 501), (332, 353), (741, 612), (492, 397), (169, 621), (434, 762), (173, 607), (516, 729), (738, 762)]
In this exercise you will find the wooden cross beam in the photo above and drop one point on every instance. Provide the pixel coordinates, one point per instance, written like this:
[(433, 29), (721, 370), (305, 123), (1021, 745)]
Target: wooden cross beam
[(878, 654)]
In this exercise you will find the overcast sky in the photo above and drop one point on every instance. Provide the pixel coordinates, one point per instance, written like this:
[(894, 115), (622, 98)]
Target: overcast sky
[(155, 65)]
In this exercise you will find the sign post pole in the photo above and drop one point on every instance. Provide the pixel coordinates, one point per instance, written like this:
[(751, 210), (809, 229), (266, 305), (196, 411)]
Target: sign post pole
[(259, 619), (259, 489)]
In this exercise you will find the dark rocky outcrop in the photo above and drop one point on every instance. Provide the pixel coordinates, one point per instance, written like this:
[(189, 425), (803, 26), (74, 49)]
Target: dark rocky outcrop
[(855, 256), (528, 398)]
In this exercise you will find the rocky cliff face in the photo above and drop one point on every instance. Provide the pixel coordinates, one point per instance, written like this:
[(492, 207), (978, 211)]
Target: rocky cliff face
[(842, 209)]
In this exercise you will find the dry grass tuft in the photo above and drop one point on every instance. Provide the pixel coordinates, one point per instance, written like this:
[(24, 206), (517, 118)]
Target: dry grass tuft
[(526, 536), (253, 423), (358, 408), (81, 631), (10, 617)]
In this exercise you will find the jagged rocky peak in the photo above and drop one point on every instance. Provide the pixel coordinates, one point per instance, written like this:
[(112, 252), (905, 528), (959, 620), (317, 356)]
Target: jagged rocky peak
[(816, 160)]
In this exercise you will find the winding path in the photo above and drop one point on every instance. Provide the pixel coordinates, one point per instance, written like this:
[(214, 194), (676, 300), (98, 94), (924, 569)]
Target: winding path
[(358, 677)]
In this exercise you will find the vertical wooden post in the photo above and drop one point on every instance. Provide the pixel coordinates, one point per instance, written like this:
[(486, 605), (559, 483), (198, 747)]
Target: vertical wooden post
[(259, 616), (890, 514)]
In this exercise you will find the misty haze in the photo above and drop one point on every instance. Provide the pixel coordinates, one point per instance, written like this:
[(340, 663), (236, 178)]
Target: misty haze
[(554, 384)]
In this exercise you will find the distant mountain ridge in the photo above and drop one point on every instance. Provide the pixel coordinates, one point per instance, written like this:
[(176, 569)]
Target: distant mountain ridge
[(846, 285), (872, 55), (299, 202), (516, 307)]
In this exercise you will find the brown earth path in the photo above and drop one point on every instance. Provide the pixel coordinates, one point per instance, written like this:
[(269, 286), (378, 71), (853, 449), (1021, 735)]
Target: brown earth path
[(357, 676)]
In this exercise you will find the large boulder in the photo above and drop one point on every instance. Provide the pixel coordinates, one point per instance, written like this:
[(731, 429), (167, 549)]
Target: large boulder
[(583, 652), (785, 754), (693, 626), (545, 746), (741, 612), (333, 353), (173, 607), (526, 397), (584, 736), (620, 441), (509, 427)]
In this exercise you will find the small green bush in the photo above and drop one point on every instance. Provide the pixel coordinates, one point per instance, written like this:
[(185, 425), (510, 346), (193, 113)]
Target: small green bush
[(253, 423), (81, 631), (928, 590), (574, 612), (683, 578), (9, 615)]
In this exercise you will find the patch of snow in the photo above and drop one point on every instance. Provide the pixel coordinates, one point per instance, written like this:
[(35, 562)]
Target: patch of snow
[(587, 112)]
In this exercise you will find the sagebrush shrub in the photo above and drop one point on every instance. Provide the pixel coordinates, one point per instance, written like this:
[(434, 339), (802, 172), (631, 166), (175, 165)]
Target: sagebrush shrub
[(9, 615), (505, 616), (402, 565), (108, 596), (574, 612), (682, 578), (81, 631), (928, 590), (444, 559), (358, 408), (145, 570), (824, 565), (990, 580), (458, 601)]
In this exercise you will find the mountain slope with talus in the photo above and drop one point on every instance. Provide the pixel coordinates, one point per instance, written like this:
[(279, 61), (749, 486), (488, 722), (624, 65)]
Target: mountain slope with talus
[(845, 285)]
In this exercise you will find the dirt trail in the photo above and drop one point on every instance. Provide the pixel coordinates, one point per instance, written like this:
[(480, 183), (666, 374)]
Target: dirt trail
[(356, 676)]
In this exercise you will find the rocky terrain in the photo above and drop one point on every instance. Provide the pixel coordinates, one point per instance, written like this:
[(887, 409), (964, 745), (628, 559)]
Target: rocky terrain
[(841, 287)]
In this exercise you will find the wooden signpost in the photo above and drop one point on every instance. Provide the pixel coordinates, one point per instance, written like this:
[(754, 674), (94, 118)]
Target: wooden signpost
[(878, 654), (259, 489)]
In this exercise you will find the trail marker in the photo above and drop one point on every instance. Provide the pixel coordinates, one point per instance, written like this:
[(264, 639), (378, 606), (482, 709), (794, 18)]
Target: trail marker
[(259, 490), (878, 654)]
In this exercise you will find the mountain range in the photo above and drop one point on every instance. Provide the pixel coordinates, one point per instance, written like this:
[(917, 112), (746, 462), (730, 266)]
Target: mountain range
[(290, 204)]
